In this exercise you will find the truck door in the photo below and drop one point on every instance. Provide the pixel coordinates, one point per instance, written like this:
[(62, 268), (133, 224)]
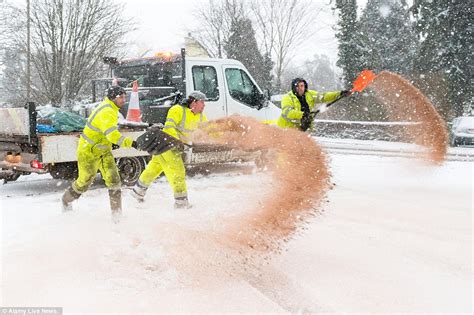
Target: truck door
[(243, 95), (205, 78)]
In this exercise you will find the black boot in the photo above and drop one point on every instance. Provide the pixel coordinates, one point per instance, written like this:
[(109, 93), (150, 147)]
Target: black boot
[(68, 197), (181, 203), (116, 204), (138, 192)]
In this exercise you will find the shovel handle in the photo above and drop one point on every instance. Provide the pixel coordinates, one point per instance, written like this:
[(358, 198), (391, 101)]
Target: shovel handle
[(360, 83), (327, 105)]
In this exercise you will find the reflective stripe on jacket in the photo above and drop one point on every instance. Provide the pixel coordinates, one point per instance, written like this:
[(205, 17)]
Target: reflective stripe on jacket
[(101, 129), (291, 112), (180, 121)]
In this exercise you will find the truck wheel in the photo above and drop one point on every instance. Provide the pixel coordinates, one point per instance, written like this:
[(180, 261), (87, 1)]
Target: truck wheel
[(11, 178), (64, 170), (130, 169)]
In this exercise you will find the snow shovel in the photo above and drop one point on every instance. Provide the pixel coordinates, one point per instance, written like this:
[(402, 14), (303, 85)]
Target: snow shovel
[(360, 83), (156, 142)]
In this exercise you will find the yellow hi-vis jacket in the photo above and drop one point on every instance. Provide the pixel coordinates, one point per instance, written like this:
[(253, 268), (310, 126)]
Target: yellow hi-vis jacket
[(291, 112), (101, 130), (181, 121)]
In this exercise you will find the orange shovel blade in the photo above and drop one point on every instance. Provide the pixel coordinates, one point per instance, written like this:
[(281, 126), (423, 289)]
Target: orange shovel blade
[(363, 80)]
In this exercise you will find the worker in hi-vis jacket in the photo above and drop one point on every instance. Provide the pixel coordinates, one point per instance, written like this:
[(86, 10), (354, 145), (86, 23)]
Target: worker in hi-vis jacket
[(94, 152), (180, 121), (297, 105)]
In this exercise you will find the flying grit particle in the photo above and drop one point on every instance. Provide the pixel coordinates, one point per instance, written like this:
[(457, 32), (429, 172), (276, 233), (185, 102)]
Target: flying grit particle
[(406, 103), (300, 179)]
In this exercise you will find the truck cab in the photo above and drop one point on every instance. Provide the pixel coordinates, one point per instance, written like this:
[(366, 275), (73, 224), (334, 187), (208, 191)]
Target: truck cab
[(166, 79), (230, 89)]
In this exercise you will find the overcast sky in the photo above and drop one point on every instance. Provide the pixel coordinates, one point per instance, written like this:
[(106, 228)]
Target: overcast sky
[(162, 25)]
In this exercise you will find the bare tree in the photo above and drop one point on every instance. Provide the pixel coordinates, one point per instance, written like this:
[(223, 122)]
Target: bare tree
[(12, 75), (6, 38), (280, 25), (69, 39), (263, 13), (217, 18), (283, 25)]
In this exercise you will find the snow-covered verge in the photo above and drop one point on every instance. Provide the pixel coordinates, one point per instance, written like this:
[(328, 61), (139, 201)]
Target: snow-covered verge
[(390, 148), (366, 130), (395, 235)]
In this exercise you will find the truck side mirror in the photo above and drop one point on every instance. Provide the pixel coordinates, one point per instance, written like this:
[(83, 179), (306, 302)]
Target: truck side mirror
[(261, 101)]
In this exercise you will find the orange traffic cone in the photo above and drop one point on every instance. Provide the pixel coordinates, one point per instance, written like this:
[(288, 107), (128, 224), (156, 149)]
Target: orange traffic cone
[(133, 113)]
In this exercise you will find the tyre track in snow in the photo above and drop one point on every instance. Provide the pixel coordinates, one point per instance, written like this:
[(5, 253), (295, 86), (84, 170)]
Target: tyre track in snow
[(284, 291)]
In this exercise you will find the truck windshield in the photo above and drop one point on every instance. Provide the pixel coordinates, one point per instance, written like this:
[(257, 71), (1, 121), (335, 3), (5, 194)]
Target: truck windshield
[(242, 88)]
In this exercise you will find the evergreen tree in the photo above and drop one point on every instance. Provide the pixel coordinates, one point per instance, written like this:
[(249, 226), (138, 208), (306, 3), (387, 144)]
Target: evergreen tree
[(347, 35), (388, 37), (242, 46), (267, 76), (444, 60)]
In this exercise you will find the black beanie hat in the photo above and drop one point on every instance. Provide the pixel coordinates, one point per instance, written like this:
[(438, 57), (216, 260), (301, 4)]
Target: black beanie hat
[(114, 91)]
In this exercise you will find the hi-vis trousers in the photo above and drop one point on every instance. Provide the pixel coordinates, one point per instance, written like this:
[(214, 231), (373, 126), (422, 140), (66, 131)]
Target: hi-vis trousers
[(172, 165), (88, 162)]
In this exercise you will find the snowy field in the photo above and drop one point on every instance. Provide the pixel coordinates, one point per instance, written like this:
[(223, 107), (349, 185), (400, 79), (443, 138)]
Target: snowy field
[(394, 235)]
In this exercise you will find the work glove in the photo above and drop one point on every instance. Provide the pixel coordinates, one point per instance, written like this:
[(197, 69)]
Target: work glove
[(156, 142), (306, 121), (345, 93)]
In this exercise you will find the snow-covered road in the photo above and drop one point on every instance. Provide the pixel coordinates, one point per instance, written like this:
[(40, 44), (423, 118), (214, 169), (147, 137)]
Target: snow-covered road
[(395, 235)]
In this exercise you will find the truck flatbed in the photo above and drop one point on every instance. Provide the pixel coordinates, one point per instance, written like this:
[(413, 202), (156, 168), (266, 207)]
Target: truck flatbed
[(55, 153)]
